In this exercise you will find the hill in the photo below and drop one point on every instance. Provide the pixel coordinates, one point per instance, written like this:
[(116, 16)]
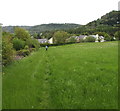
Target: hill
[(108, 23), (44, 27), (109, 19), (52, 26)]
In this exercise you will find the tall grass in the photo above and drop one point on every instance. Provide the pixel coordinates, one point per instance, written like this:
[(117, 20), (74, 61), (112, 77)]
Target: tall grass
[(77, 76)]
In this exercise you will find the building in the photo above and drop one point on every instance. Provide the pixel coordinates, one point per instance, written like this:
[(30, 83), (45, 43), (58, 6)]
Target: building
[(50, 40), (81, 37), (42, 41)]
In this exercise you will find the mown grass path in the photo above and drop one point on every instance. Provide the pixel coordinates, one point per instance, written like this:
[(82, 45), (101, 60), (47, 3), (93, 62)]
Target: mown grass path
[(82, 76)]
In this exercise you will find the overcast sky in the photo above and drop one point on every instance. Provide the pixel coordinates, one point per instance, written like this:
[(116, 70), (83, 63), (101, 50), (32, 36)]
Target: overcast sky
[(35, 12)]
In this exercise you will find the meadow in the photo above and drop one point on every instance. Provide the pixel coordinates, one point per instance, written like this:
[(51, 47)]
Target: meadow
[(77, 76)]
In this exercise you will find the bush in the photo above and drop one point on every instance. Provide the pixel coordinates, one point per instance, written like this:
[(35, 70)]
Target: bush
[(7, 51), (36, 44), (89, 39), (32, 49), (23, 52), (18, 44), (26, 47)]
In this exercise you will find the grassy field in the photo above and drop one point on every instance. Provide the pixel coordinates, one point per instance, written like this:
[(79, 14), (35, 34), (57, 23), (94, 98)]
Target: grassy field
[(77, 76)]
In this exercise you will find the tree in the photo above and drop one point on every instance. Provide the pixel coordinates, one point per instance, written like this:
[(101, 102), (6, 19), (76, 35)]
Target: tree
[(100, 33), (35, 35), (7, 50), (85, 33), (117, 35), (8, 35), (21, 33), (60, 37)]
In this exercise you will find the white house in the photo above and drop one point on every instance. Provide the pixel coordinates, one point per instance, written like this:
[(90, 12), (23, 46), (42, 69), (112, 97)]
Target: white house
[(101, 39), (78, 38), (50, 40), (81, 37), (97, 38), (42, 41)]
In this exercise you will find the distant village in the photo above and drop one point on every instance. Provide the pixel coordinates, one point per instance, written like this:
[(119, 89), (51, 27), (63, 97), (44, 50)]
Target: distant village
[(77, 38)]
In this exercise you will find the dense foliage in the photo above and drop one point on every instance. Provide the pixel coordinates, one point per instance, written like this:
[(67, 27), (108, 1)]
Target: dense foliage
[(32, 43), (7, 49), (18, 44), (21, 33), (110, 19)]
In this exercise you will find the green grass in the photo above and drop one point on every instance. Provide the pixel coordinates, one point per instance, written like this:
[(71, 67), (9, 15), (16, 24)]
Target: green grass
[(77, 76)]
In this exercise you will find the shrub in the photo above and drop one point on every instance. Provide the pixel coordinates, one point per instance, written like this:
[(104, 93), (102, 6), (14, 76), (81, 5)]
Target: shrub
[(44, 44), (18, 44), (23, 52), (36, 44), (26, 47), (32, 49), (89, 39)]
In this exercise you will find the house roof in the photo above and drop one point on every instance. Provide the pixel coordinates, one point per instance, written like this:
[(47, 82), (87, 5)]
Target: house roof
[(42, 40), (79, 37), (101, 37), (50, 38), (82, 36)]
